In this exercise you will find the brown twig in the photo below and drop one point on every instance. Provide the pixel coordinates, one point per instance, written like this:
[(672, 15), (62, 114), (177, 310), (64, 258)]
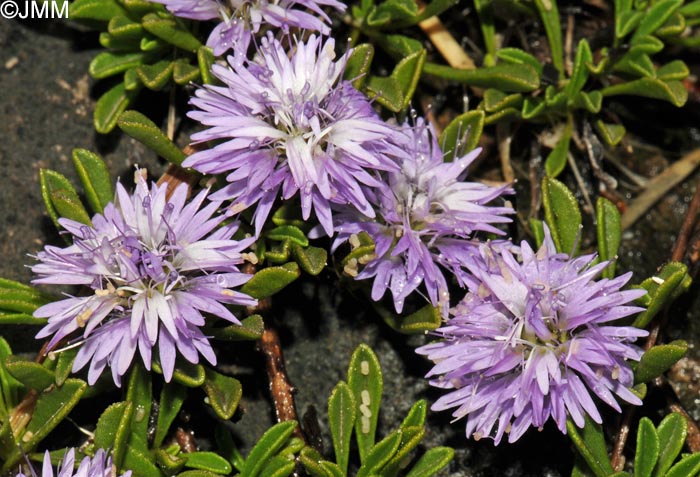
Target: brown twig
[(504, 138), (281, 389), (446, 44), (618, 460)]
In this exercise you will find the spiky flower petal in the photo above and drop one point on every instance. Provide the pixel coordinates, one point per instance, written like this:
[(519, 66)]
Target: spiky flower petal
[(426, 219), (289, 127), (156, 265), (97, 466), (532, 340)]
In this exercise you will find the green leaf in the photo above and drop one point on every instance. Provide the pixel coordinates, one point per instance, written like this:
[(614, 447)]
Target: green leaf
[(157, 75), (533, 107), (94, 176), (278, 467), (227, 448), (425, 319), (21, 319), (410, 438), (609, 232), (268, 445), (658, 360), (626, 22), (9, 386), (271, 280), (432, 462), (461, 135), (366, 383), (288, 232), (672, 91), (122, 28), (416, 415), (113, 429), (52, 407), (311, 460), (488, 31), (100, 10), (110, 106), (185, 73), (170, 29), (139, 393), (590, 444), (341, 418), (590, 101), (380, 454), (22, 300), (171, 398), (648, 45), (31, 374), (171, 464), (647, 448), (131, 80), (64, 364), (396, 91), (496, 100), (358, 65), (556, 160), (311, 259), (507, 77), (688, 466), (550, 18), (563, 215), (208, 461), (144, 130), (664, 287), (107, 63), (205, 59), (612, 134), (674, 70), (141, 463), (579, 74), (400, 46), (520, 57), (185, 373), (636, 64), (224, 393), (251, 328), (672, 432), (655, 17), (60, 198)]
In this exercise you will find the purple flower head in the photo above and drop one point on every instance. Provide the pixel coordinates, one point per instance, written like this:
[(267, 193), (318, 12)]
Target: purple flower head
[(241, 19), (426, 217), (155, 264), (531, 340), (97, 466), (290, 126)]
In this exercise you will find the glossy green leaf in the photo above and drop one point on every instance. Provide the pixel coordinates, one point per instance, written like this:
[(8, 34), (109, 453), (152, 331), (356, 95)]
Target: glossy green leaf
[(100, 10), (251, 328), (184, 72), (609, 232), (380, 454), (51, 408), (123, 28), (550, 18), (278, 467), (31, 374), (648, 45), (208, 461), (293, 446), (60, 198), (268, 445), (140, 462), (171, 398), (185, 373), (227, 447), (590, 101), (288, 232), (342, 410), (64, 364), (311, 259), (410, 438), (672, 432), (9, 386), (648, 448), (224, 393), (157, 75), (396, 91), (144, 130), (484, 9), (311, 460), (674, 70), (590, 444), (579, 74), (432, 462), (424, 319), (636, 64), (139, 393), (170, 29), (672, 91), (461, 135), (279, 253), (171, 464), (358, 64), (532, 108), (21, 300), (205, 59), (556, 159), (271, 280), (507, 77), (110, 106), (626, 22), (366, 383), (563, 215), (108, 63), (113, 429), (664, 287), (132, 82), (416, 415), (400, 46), (21, 319), (612, 134), (496, 100), (655, 17), (94, 176), (688, 466), (658, 360), (520, 57)]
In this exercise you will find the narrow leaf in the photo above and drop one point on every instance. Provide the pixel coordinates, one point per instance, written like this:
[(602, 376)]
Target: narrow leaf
[(94, 177), (658, 360), (672, 432), (224, 393), (268, 445), (563, 215), (366, 383), (647, 451), (144, 130), (341, 419), (609, 232)]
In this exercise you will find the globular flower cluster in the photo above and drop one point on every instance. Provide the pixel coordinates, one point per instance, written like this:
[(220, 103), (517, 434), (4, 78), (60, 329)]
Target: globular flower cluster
[(241, 19), (533, 339), (426, 218), (155, 265), (97, 466), (290, 126)]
